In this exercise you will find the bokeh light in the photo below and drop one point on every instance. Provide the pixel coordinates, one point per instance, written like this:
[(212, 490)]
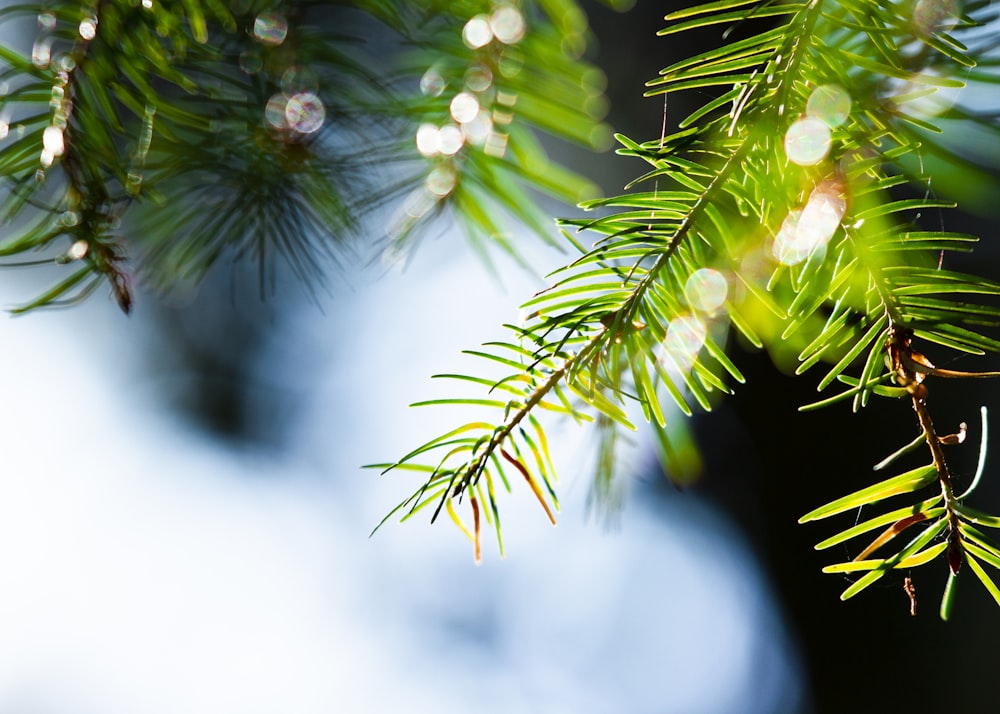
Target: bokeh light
[(787, 249), (78, 250), (441, 181), (88, 28), (807, 141), (305, 113), (830, 103), (507, 24), (270, 28), (464, 107), (477, 32), (477, 131), (684, 340), (46, 21), (478, 78), (935, 15), (452, 139), (52, 140), (274, 111), (808, 231), (432, 84), (922, 94), (41, 52), (706, 289), (428, 140)]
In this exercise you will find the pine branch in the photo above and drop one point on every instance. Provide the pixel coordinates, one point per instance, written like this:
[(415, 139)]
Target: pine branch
[(853, 281), (203, 131)]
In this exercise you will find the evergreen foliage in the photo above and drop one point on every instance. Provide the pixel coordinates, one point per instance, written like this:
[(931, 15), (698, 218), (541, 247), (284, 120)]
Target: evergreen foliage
[(773, 215), (782, 213), (253, 129)]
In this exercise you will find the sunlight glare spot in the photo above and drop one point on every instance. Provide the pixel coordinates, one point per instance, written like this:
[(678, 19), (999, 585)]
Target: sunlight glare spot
[(441, 181), (52, 140), (787, 250), (305, 113), (924, 99), (270, 28), (46, 21), (41, 52), (807, 141), (809, 230), (477, 32), (147, 4), (88, 28), (4, 128), (478, 130), (706, 289), (428, 140), (684, 340), (478, 78), (464, 107), (452, 139), (829, 103), (432, 84), (507, 24), (78, 250)]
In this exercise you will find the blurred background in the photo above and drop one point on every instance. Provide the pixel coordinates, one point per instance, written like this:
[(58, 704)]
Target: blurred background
[(185, 523)]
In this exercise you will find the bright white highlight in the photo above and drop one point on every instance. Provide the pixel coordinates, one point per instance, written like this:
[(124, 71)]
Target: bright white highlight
[(428, 140), (52, 140), (451, 140), (478, 130), (808, 231), (477, 32), (78, 250), (706, 290), (807, 141), (685, 338), (88, 28), (464, 107), (507, 25), (830, 103)]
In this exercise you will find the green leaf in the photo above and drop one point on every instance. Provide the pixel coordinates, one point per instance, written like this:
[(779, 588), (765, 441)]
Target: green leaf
[(908, 482), (925, 507), (948, 597), (984, 578), (929, 533)]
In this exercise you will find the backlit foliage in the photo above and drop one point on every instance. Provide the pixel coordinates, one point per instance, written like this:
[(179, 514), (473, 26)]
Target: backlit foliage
[(782, 212)]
